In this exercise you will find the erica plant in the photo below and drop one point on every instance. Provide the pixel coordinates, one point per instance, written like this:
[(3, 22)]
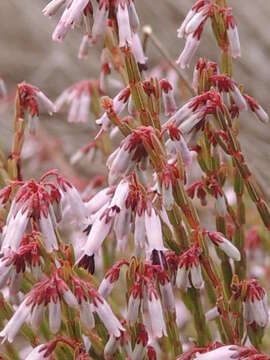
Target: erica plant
[(163, 253)]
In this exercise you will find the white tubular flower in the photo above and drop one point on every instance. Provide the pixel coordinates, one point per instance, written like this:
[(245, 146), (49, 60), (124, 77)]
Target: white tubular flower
[(189, 263), (196, 20), (182, 280), (98, 201), (111, 347), (75, 11), (153, 230), (167, 195), (100, 20), (191, 46), (3, 89), (134, 303), (105, 288), (47, 229), (53, 6), (139, 230), (238, 98), (255, 304), (123, 25), (133, 17), (182, 114), (192, 121), (120, 164), (168, 97), (14, 230), (76, 206), (212, 314), (118, 104), (227, 352), (45, 102), (86, 315), (38, 353), (120, 195), (181, 29), (234, 42), (140, 344), (137, 49), (179, 144), (109, 320), (158, 326), (5, 269), (196, 276), (37, 316), (167, 296), (220, 205), (232, 33), (256, 108), (100, 229), (14, 324), (224, 244), (54, 316), (84, 47), (70, 299), (122, 228)]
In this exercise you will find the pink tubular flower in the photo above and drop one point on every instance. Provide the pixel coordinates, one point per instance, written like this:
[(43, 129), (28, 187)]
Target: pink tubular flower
[(224, 244), (168, 97), (78, 96), (189, 264), (255, 304), (232, 33)]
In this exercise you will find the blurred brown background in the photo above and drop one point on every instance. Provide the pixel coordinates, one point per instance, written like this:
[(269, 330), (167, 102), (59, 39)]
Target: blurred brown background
[(28, 53)]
